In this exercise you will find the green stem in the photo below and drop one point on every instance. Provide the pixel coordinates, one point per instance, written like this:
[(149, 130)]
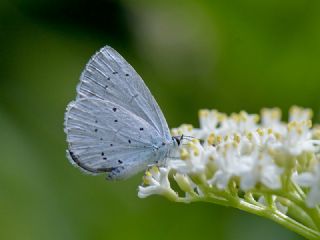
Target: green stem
[(274, 215), (299, 191), (297, 213), (280, 218), (311, 212)]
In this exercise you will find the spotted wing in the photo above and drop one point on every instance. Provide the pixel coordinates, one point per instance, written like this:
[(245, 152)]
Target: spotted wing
[(108, 76), (105, 137)]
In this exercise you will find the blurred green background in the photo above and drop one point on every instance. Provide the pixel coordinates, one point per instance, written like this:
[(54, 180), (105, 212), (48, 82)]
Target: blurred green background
[(229, 55)]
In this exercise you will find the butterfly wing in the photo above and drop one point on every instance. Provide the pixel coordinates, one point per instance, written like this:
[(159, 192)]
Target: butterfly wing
[(108, 76), (104, 136)]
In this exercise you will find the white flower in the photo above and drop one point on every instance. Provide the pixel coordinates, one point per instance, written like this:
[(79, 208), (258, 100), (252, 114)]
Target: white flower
[(297, 139), (192, 159), (229, 163), (247, 161), (262, 138), (271, 119), (238, 148), (187, 185), (311, 180), (156, 182), (260, 168), (209, 120), (239, 123), (298, 114), (240, 162), (184, 129)]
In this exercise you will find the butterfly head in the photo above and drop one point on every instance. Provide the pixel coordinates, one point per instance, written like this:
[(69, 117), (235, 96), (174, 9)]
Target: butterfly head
[(177, 140)]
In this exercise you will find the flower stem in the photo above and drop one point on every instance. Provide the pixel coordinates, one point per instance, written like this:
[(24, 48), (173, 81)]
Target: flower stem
[(274, 215), (280, 218)]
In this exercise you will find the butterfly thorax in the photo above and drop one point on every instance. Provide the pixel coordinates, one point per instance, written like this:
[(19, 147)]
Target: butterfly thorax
[(163, 151)]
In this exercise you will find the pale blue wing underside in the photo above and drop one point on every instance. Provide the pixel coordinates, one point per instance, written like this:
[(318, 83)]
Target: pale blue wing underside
[(108, 76), (104, 136)]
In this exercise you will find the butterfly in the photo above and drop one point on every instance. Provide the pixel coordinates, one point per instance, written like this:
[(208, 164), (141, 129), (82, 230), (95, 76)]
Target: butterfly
[(115, 125)]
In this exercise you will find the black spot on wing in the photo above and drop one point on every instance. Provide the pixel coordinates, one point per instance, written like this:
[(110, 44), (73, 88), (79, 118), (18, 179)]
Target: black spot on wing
[(87, 168)]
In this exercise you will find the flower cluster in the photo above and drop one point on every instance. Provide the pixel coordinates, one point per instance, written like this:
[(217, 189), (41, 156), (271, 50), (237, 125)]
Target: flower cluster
[(249, 161)]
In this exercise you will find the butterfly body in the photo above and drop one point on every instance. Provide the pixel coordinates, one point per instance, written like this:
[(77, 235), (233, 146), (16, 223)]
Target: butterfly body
[(115, 126)]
